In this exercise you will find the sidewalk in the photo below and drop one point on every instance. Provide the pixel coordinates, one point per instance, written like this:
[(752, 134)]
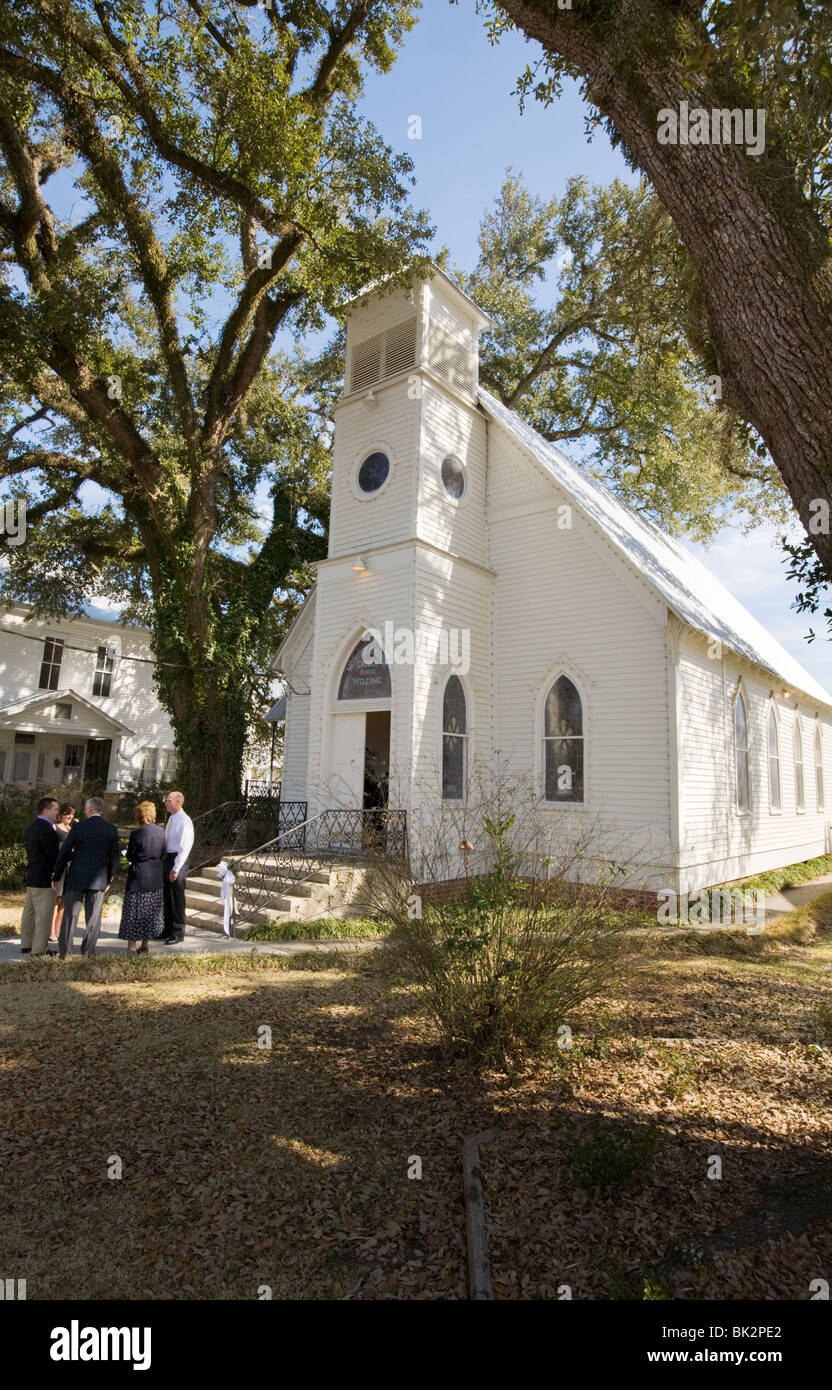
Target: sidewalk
[(197, 942)]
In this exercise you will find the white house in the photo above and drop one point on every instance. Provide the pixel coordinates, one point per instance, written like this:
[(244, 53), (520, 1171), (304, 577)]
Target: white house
[(77, 703), (517, 605)]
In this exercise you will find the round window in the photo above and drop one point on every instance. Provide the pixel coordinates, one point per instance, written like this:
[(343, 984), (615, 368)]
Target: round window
[(453, 478), (373, 472)]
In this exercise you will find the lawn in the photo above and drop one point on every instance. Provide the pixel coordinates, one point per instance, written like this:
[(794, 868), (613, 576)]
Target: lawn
[(244, 1166)]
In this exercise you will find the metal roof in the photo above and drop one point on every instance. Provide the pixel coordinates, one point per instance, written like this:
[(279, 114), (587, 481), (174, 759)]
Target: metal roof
[(688, 588)]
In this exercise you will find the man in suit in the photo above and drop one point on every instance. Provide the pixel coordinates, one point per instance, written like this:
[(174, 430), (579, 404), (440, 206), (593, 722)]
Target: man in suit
[(42, 846), (91, 851)]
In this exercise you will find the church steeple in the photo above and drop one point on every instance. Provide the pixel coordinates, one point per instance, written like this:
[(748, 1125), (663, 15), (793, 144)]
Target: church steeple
[(432, 325)]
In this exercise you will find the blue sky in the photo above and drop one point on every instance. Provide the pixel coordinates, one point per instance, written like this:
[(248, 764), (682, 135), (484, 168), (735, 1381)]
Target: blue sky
[(472, 129)]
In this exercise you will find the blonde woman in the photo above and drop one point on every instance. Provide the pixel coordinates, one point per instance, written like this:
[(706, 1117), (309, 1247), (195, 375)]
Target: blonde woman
[(143, 913)]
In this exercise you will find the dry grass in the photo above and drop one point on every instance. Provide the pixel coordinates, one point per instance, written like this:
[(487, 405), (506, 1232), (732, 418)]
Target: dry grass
[(245, 1166)]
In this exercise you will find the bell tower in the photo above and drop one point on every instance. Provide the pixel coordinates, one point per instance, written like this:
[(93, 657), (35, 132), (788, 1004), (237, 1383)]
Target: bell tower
[(408, 543)]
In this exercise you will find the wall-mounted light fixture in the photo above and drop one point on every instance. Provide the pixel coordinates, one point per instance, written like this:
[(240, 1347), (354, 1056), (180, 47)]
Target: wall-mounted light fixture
[(360, 564)]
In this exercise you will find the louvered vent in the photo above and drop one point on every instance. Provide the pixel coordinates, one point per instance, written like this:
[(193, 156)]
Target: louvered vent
[(450, 358), (366, 363), (400, 347), (383, 355)]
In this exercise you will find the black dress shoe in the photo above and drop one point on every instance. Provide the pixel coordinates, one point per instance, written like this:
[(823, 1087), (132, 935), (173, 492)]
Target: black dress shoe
[(173, 940), (25, 950)]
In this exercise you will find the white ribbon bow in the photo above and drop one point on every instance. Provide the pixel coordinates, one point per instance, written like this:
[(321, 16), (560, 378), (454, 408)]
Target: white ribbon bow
[(227, 881)]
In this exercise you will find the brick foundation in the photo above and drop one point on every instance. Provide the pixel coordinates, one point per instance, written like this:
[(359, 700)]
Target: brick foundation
[(449, 890)]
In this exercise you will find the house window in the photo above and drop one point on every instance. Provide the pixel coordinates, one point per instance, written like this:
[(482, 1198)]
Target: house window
[(773, 761), (454, 740), (41, 766), (563, 743), (74, 756), (22, 763), (2, 764), (366, 675), (373, 472), (818, 767), (799, 784), (147, 771), (50, 669), (168, 768), (103, 674), (741, 754)]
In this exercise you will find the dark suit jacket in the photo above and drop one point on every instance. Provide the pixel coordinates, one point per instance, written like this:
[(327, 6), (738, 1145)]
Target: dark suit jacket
[(145, 850), (91, 851), (42, 846)]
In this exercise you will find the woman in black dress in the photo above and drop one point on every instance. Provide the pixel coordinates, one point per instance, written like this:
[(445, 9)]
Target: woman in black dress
[(143, 914)]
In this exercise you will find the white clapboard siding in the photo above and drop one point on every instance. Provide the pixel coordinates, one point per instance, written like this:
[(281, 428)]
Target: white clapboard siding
[(450, 428), (389, 426), (561, 603), (456, 597), (718, 843)]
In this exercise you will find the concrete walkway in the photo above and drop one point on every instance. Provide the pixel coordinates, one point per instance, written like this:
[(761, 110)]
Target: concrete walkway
[(197, 942)]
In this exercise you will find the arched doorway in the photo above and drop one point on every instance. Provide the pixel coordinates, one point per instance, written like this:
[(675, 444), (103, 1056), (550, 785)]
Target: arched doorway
[(360, 761)]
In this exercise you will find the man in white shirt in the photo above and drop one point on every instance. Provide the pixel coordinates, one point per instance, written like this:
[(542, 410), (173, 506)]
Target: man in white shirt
[(179, 839)]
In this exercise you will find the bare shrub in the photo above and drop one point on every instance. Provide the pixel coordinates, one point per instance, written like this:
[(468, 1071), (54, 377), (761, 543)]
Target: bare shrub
[(503, 965)]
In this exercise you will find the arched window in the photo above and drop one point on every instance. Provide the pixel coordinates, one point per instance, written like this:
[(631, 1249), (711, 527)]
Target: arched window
[(819, 765), (563, 743), (366, 675), (741, 754), (454, 741), (799, 783), (773, 761)]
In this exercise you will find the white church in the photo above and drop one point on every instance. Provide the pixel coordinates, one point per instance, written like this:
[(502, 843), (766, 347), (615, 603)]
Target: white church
[(484, 598)]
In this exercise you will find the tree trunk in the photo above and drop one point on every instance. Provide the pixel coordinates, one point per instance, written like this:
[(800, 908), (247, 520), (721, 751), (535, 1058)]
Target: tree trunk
[(209, 722), (761, 253)]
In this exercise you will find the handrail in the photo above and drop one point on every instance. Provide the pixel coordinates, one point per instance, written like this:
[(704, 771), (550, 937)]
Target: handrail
[(224, 829), (263, 874)]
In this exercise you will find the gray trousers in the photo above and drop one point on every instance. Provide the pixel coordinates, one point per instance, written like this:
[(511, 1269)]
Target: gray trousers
[(93, 900)]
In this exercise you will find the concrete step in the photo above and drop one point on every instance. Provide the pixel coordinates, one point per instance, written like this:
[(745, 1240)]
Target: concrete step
[(211, 921), (204, 902), (200, 883)]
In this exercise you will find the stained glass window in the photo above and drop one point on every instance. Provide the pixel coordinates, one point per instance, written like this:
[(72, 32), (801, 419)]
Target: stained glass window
[(741, 754), (453, 478), (373, 472), (773, 761), (366, 675), (563, 743), (454, 740), (819, 767)]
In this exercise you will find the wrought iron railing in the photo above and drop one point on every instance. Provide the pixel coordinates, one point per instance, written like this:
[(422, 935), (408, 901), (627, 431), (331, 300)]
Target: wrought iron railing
[(295, 856), (237, 826)]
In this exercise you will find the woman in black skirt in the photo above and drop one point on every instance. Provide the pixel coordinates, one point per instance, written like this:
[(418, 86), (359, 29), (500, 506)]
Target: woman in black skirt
[(143, 914)]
